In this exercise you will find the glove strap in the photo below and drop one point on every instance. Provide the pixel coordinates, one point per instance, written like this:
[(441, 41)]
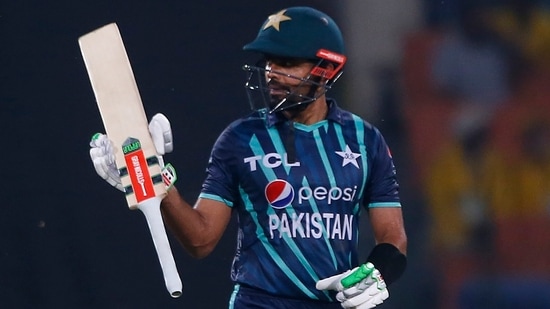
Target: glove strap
[(389, 261)]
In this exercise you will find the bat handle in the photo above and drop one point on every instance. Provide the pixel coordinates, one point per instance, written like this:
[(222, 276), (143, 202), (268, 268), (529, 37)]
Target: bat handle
[(151, 211)]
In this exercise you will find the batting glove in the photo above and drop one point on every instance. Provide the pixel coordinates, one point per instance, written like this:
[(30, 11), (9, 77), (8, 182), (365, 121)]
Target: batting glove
[(103, 158), (360, 288), (161, 133)]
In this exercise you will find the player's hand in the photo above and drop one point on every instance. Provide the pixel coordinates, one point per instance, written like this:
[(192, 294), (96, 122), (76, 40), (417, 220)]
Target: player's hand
[(360, 288), (103, 158), (161, 133)]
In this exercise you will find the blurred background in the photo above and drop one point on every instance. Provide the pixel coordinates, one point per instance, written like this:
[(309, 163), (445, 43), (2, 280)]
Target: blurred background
[(459, 88)]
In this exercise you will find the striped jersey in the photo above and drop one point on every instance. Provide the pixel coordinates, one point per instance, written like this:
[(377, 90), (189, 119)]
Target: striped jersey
[(298, 191)]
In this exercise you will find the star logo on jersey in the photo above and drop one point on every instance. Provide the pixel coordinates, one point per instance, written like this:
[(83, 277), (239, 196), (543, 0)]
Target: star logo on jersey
[(276, 19), (349, 157)]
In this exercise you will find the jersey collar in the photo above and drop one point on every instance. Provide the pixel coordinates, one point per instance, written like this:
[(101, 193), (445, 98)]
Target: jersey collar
[(334, 114)]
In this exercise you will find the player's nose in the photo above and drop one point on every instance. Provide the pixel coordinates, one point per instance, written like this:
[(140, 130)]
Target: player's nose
[(273, 71), (269, 72)]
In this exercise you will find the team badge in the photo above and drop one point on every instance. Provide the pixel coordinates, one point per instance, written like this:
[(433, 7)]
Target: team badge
[(275, 20), (348, 157), (279, 193)]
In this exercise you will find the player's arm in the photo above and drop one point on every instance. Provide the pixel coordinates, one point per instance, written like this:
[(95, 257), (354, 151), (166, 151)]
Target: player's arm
[(198, 228), (388, 227), (385, 214), (391, 242)]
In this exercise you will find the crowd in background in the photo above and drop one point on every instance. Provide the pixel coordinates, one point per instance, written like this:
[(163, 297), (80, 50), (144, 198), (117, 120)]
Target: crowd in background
[(476, 110)]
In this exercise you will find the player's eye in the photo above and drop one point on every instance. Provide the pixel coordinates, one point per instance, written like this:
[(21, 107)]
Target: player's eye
[(284, 62)]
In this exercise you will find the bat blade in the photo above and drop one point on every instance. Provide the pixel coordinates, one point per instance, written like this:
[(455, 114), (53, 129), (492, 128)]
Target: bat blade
[(121, 109), (126, 125)]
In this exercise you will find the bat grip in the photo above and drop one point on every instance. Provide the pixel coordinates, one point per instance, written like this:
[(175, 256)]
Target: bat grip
[(151, 211)]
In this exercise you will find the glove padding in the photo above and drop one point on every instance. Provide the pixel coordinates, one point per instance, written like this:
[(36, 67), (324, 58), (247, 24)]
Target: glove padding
[(360, 288), (103, 158), (161, 133)]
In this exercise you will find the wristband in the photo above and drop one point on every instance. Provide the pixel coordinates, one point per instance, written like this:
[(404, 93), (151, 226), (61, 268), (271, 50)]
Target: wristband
[(389, 261)]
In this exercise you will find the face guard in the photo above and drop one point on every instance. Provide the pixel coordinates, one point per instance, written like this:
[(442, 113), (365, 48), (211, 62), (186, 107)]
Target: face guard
[(319, 80)]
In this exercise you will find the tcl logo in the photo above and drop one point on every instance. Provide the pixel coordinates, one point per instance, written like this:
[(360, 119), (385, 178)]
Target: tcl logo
[(270, 160), (280, 193)]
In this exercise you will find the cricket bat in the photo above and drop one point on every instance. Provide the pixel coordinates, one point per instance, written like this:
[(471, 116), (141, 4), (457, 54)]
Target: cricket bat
[(126, 125)]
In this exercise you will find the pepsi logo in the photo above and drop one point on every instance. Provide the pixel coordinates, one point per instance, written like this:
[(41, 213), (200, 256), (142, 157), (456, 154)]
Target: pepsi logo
[(279, 193)]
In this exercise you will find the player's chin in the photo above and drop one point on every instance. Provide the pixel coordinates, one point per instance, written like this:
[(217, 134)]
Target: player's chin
[(275, 100)]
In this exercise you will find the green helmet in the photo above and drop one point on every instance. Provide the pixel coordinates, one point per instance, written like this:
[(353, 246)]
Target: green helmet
[(298, 32)]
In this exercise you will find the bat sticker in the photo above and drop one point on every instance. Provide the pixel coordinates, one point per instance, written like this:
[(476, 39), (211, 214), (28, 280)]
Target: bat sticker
[(136, 164)]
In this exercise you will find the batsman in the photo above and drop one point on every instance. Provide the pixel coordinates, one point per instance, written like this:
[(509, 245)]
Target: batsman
[(298, 171)]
